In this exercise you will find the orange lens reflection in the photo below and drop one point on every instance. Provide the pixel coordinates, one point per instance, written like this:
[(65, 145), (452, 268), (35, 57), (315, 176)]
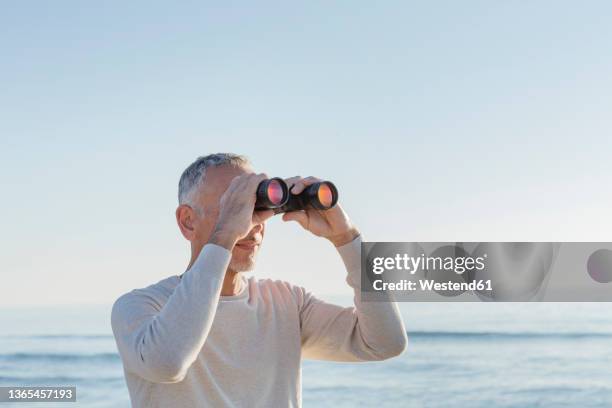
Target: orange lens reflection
[(325, 195)]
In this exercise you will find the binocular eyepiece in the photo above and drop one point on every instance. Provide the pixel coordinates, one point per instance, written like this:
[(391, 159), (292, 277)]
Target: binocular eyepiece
[(274, 194)]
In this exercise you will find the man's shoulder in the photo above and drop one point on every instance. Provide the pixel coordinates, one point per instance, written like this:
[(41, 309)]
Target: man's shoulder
[(153, 296)]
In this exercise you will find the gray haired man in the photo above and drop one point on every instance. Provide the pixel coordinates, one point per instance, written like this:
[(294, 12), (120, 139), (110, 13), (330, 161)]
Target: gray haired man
[(211, 337)]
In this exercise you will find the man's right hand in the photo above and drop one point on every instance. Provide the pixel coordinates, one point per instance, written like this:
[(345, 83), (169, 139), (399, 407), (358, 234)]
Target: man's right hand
[(236, 211)]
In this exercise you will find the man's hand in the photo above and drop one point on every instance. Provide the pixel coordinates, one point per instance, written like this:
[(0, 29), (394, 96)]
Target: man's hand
[(236, 211), (332, 224)]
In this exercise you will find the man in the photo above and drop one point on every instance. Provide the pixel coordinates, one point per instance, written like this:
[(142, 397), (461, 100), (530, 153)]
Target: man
[(213, 338)]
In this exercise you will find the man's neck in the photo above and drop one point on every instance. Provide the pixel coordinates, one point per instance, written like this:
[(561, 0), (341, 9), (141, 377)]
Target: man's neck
[(232, 283)]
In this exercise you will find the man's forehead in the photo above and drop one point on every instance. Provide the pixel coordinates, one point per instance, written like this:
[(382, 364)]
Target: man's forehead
[(219, 178)]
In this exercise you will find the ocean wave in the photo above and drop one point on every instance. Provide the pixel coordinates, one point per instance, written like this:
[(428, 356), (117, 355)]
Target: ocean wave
[(509, 335), (59, 380), (59, 336), (60, 357)]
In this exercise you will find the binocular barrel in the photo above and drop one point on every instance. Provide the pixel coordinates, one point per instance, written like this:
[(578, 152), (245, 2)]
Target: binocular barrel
[(274, 194)]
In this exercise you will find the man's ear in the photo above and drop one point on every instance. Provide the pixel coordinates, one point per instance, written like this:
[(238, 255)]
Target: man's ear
[(185, 218)]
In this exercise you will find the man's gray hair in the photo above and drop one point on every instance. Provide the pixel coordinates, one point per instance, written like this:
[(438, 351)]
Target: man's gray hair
[(193, 176)]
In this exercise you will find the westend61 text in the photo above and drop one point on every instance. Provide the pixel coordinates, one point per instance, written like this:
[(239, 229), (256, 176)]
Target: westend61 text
[(432, 285)]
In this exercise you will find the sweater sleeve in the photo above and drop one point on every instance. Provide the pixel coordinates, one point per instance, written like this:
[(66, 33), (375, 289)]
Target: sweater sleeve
[(160, 342), (366, 331)]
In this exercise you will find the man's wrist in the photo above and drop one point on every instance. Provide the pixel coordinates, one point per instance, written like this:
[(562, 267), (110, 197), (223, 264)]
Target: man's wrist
[(344, 238), (223, 238)]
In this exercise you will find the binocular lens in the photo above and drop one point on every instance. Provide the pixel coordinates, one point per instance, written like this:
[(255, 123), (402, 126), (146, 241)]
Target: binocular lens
[(271, 193), (275, 192), (325, 195), (322, 196)]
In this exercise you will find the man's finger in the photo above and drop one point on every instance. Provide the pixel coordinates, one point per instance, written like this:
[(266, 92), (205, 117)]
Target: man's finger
[(300, 185), (254, 180), (292, 180), (298, 216)]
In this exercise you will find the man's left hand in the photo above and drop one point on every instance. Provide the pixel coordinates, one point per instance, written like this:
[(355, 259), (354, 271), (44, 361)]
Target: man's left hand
[(332, 224)]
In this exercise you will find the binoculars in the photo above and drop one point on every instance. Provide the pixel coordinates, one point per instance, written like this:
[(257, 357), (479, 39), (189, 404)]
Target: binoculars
[(273, 194)]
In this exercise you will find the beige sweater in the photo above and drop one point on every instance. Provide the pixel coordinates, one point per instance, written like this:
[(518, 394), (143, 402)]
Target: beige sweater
[(184, 345)]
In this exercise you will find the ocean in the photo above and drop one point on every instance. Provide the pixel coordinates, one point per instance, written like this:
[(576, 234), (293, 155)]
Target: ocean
[(459, 355)]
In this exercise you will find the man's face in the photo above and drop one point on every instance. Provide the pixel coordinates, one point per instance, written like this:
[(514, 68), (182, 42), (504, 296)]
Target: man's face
[(216, 181)]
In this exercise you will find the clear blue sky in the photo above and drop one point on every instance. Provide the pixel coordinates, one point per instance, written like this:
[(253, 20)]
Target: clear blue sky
[(442, 121)]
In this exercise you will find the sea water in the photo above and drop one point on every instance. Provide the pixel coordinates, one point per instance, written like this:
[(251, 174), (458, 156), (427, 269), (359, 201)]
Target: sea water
[(459, 355)]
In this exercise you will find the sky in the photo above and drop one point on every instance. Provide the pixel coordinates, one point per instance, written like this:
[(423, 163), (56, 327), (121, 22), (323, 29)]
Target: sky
[(438, 121)]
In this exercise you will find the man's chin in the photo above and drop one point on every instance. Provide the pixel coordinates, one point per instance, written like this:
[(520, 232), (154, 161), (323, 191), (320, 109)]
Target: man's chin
[(243, 259)]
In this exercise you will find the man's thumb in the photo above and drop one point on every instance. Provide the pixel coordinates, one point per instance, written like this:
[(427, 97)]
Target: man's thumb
[(299, 216)]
